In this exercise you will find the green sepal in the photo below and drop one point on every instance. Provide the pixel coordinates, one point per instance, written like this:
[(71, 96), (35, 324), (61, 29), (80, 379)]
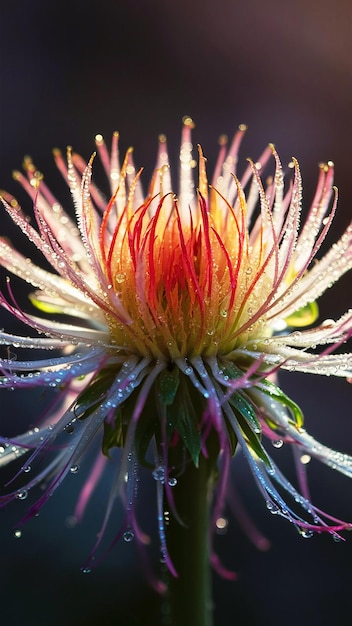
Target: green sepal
[(231, 370), (246, 409), (115, 433), (113, 436), (174, 399), (46, 307), (305, 316), (182, 417), (231, 435), (272, 390), (168, 384), (94, 394), (253, 439), (189, 433), (147, 427)]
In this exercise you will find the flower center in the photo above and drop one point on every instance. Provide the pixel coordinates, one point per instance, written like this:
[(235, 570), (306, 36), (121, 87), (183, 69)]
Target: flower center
[(190, 289)]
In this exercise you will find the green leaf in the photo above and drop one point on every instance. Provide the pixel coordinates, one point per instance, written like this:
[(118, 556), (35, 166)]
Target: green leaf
[(275, 392), (304, 316)]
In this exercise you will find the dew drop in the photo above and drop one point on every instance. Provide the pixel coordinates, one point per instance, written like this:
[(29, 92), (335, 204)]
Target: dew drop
[(128, 536), (272, 507), (172, 482), (17, 534), (71, 521), (221, 525), (306, 533), (69, 429), (26, 468), (120, 278), (22, 495), (74, 469), (159, 474), (86, 570), (278, 443), (188, 371)]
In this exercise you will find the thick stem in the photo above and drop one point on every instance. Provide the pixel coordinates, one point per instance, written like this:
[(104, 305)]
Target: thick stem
[(190, 594)]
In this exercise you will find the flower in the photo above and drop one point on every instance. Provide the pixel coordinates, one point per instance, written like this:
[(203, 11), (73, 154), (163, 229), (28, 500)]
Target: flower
[(173, 315)]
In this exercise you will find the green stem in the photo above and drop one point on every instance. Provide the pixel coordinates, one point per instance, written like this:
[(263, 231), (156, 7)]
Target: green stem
[(190, 593)]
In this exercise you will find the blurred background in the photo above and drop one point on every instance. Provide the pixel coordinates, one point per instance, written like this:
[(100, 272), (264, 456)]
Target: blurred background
[(71, 69)]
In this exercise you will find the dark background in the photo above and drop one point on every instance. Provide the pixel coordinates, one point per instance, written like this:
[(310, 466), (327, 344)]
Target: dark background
[(71, 69)]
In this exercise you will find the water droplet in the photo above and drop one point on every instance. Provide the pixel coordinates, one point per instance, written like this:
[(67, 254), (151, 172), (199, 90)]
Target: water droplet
[(69, 428), (223, 313), (22, 495), (128, 536), (159, 474), (17, 534), (121, 277), (26, 468), (278, 443), (86, 570), (272, 507), (172, 482), (306, 533), (74, 469), (71, 521), (336, 538), (188, 371), (221, 525)]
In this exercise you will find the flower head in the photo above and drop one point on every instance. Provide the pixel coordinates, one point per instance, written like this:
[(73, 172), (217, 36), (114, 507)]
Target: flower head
[(173, 314)]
